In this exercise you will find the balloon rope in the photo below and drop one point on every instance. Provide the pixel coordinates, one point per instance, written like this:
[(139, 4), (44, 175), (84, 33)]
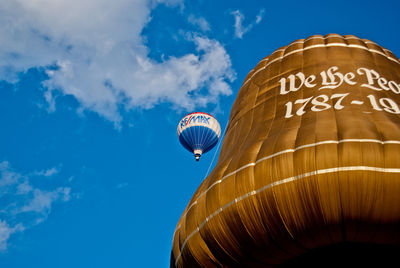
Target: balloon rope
[(216, 150)]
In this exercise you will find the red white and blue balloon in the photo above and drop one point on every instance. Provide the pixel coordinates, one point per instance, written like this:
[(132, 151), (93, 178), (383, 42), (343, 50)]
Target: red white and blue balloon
[(199, 133)]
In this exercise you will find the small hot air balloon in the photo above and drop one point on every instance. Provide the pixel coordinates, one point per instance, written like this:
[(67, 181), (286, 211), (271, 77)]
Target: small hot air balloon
[(199, 133)]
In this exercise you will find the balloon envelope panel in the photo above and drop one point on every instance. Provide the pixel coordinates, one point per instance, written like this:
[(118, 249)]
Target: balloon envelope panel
[(198, 137), (310, 160)]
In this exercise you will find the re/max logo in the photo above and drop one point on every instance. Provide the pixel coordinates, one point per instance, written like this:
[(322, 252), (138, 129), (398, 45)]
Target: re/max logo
[(195, 119)]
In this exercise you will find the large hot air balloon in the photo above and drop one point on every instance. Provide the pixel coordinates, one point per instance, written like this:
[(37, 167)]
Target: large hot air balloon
[(198, 133), (310, 164)]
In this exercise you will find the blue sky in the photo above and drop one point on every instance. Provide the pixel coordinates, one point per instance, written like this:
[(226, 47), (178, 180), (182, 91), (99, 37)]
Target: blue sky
[(91, 92)]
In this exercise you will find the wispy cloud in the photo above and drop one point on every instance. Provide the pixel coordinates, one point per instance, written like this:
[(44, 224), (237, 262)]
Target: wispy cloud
[(240, 28), (102, 59), (199, 22), (42, 200), (46, 173), (24, 205), (6, 231)]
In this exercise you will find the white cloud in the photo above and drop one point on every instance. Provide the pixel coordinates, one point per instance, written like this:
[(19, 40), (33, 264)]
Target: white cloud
[(260, 16), (8, 177), (199, 22), (5, 232), (96, 53), (240, 29), (42, 200), (23, 204), (24, 187), (47, 173)]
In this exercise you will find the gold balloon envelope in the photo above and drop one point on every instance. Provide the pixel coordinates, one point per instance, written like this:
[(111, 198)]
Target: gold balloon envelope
[(310, 158)]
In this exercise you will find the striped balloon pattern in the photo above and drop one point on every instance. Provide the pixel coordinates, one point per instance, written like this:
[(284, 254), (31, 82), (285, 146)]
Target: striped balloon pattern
[(198, 133), (309, 168)]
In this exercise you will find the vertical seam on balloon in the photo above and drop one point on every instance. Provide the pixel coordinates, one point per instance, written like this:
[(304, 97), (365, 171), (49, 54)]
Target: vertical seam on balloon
[(283, 152), (276, 183), (202, 131), (205, 137)]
